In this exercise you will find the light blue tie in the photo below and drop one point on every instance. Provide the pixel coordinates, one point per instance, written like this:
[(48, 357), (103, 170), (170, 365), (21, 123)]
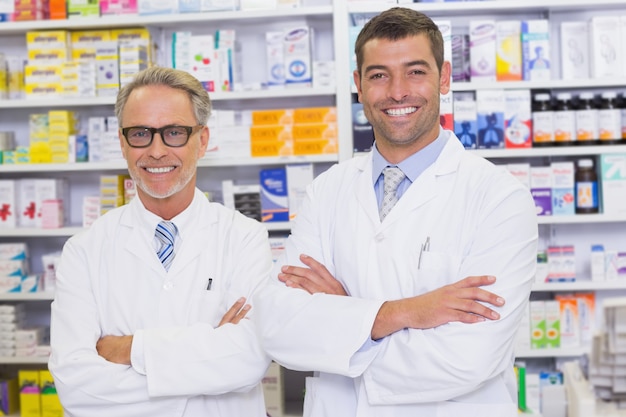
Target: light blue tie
[(166, 233), (393, 176)]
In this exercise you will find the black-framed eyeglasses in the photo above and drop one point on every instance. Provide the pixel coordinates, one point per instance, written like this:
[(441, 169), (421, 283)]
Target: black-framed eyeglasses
[(171, 135)]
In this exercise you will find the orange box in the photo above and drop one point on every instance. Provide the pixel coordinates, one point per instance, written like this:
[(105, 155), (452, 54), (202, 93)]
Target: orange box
[(325, 131), (58, 10), (262, 148), (315, 115), (271, 132), (272, 117), (314, 147)]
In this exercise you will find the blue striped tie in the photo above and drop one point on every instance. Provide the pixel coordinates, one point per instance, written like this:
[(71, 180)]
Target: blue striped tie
[(166, 233)]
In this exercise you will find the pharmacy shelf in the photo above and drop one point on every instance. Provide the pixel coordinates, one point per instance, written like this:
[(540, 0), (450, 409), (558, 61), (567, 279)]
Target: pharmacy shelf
[(71, 102), (203, 163), (539, 85), (468, 8), (165, 20), (586, 285), (551, 352), (550, 151), (27, 296), (24, 360), (582, 219), (24, 232)]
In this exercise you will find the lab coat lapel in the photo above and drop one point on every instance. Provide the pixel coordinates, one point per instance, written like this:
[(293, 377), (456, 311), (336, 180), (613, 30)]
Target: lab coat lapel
[(136, 241), (364, 189), (197, 240), (429, 184)]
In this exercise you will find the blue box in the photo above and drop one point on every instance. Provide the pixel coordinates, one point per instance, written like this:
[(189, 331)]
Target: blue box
[(274, 201)]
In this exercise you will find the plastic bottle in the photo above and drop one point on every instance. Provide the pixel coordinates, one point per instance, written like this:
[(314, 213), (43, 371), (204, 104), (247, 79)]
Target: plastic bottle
[(543, 123), (586, 120), (564, 120), (609, 118), (586, 187)]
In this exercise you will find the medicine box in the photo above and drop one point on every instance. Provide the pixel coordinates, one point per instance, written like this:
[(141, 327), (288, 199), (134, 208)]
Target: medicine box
[(482, 50), (574, 50), (606, 53), (563, 191), (466, 121), (274, 199), (297, 53), (541, 189), (30, 393), (537, 310), (508, 50), (517, 119), (490, 112), (613, 183), (536, 63)]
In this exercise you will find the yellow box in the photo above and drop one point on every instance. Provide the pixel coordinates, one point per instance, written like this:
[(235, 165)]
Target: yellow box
[(43, 89), (315, 115), (271, 133), (130, 34), (42, 73), (50, 404), (325, 131), (83, 52), (39, 39), (30, 394), (56, 55), (314, 147), (272, 117), (90, 36), (262, 148)]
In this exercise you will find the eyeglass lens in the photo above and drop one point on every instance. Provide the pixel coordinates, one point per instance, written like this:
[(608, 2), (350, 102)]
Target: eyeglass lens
[(174, 136)]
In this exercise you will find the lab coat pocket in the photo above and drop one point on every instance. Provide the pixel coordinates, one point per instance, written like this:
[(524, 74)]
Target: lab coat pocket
[(208, 307), (436, 269)]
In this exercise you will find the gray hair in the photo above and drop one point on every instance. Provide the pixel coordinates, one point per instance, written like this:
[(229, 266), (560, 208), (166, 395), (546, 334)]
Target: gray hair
[(173, 78)]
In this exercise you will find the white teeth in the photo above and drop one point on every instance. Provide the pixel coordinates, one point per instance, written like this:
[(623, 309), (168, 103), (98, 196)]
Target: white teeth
[(161, 170), (401, 112)]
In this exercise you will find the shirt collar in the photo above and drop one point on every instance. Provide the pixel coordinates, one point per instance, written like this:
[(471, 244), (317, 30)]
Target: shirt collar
[(415, 164)]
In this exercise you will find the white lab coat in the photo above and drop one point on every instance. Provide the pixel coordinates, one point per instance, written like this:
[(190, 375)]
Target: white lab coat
[(110, 282), (480, 220)]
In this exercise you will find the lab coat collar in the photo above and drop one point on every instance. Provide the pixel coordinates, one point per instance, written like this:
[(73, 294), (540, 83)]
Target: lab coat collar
[(193, 223), (421, 191)]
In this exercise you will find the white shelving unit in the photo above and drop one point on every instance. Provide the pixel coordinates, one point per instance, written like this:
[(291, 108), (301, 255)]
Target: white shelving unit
[(331, 19)]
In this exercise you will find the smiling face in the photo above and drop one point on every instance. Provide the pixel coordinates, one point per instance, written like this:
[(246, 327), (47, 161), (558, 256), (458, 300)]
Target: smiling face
[(399, 86), (164, 176)]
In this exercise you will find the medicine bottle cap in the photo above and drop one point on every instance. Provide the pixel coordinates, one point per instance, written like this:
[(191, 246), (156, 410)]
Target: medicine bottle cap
[(542, 97), (586, 96), (585, 163), (564, 96), (609, 94)]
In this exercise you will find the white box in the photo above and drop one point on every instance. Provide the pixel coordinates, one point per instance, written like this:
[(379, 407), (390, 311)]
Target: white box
[(273, 390), (48, 189), (482, 50), (8, 206), (26, 203), (613, 183), (521, 171), (490, 112), (536, 63), (203, 63), (297, 46), (574, 50), (274, 53), (606, 54), (299, 176), (563, 188)]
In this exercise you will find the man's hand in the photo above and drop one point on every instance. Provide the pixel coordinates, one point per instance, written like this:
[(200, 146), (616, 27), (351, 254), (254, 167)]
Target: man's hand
[(313, 279), (115, 349), (237, 312), (455, 302)]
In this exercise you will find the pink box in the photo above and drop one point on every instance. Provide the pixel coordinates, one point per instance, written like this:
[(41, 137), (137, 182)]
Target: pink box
[(118, 6)]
